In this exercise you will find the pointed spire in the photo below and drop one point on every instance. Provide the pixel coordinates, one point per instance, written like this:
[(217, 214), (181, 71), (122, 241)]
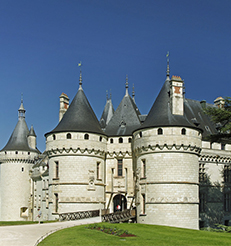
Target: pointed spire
[(126, 85), (107, 94), (110, 93), (133, 93), (21, 110), (168, 70), (80, 75)]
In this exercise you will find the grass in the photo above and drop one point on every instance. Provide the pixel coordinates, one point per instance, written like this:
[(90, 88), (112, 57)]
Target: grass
[(146, 235), (10, 223)]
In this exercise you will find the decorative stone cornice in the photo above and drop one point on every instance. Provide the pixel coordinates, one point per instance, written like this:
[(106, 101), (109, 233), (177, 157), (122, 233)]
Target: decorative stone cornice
[(118, 154), (8, 160), (168, 147), (71, 150), (215, 159)]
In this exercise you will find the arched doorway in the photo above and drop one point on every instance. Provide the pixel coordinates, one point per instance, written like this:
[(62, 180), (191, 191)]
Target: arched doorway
[(119, 203)]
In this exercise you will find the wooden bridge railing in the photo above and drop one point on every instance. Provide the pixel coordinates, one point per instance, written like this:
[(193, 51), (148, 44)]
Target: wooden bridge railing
[(79, 215), (119, 216)]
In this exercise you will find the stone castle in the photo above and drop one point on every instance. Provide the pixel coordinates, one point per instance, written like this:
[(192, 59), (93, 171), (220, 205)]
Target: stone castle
[(162, 164)]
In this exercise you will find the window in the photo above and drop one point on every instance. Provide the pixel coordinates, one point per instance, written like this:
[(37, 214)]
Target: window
[(227, 202), (111, 140), (54, 137), (183, 131), (129, 140), (227, 172), (144, 168), (120, 140), (100, 139), (22, 169), (28, 153), (86, 136), (120, 167), (16, 152), (222, 146), (24, 212), (56, 203), (56, 169), (202, 202), (143, 203), (98, 170), (68, 136), (160, 131), (140, 133)]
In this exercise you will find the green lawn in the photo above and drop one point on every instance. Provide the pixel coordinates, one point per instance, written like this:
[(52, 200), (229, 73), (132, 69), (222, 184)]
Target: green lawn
[(146, 235)]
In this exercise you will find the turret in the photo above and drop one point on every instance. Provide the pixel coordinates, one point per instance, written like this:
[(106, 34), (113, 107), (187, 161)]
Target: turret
[(166, 150), (76, 149), (32, 138), (16, 161)]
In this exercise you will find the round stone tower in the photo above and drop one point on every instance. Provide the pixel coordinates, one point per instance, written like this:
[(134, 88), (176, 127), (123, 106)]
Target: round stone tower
[(76, 149), (16, 161), (166, 150)]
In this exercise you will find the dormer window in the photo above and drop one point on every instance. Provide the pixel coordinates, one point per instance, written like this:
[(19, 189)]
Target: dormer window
[(120, 140), (160, 131), (183, 131), (86, 136)]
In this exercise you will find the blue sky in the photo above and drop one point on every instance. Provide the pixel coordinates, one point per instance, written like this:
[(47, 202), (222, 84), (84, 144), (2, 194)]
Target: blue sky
[(42, 41)]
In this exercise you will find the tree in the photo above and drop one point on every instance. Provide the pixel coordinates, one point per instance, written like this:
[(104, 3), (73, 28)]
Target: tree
[(221, 116)]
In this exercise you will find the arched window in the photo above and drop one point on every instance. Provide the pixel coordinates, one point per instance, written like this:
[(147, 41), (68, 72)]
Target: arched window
[(111, 140), (120, 140), (100, 139), (86, 136), (129, 140), (183, 131), (68, 136), (160, 131), (54, 137), (140, 134)]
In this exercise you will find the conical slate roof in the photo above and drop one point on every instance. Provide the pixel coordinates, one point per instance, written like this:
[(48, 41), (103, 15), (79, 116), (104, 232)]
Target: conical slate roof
[(125, 119), (160, 114), (107, 113), (18, 140), (32, 132), (79, 117)]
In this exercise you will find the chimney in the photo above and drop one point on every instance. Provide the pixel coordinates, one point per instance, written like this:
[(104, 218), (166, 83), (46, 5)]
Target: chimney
[(64, 105), (219, 102), (177, 95)]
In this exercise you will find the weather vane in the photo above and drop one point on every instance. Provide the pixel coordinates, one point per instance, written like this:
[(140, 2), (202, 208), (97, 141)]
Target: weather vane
[(80, 65)]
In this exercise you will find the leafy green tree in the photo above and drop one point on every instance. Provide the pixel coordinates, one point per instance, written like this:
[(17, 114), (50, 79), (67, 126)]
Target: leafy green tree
[(221, 116)]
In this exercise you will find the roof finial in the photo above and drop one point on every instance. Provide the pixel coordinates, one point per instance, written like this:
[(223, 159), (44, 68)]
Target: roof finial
[(168, 71), (21, 110), (126, 85), (133, 93), (80, 75), (110, 93), (107, 94)]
